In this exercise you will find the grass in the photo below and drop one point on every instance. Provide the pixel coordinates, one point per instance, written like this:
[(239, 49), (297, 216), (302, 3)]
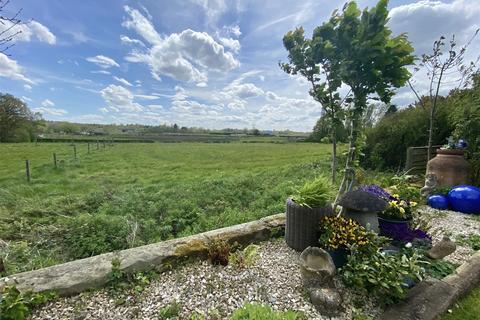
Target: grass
[(128, 195), (468, 308)]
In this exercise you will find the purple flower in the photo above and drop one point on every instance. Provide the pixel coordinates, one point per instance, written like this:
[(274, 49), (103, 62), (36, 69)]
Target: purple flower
[(378, 191)]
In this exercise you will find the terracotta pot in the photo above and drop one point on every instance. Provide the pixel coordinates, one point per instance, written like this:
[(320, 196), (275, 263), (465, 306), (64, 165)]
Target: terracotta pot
[(450, 168)]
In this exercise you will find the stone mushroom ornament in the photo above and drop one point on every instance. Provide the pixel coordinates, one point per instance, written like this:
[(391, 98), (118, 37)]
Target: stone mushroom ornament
[(363, 207)]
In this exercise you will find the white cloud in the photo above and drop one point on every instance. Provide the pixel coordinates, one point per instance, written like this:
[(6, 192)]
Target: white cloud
[(213, 9), (141, 25), (425, 21), (184, 56), (101, 72), (103, 61), (128, 40), (27, 87), (147, 96), (154, 107), (26, 99), (230, 43), (10, 69), (51, 111), (27, 31), (232, 30), (120, 98), (103, 110), (123, 81), (48, 103)]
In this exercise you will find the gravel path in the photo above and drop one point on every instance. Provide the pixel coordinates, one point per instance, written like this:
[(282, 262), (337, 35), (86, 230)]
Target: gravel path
[(215, 291), (452, 224)]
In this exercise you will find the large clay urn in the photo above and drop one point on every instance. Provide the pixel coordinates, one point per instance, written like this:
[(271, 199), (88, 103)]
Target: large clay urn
[(450, 168)]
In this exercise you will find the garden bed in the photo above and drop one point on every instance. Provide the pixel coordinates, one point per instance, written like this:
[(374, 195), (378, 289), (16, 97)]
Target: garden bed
[(216, 291)]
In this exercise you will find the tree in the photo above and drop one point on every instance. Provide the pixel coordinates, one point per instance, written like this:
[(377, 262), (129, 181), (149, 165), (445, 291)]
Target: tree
[(8, 30), (323, 131), (438, 65), (17, 122), (313, 59)]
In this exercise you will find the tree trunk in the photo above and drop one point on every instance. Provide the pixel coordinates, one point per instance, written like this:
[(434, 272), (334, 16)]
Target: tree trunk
[(334, 158), (430, 135)]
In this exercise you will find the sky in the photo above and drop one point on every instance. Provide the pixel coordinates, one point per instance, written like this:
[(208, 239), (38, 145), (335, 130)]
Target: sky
[(197, 63)]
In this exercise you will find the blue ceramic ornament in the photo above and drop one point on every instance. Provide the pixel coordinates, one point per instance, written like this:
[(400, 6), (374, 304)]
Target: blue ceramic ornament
[(465, 199), (438, 201)]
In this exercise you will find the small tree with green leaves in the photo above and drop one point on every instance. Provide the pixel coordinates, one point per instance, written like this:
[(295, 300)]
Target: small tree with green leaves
[(446, 62), (312, 59)]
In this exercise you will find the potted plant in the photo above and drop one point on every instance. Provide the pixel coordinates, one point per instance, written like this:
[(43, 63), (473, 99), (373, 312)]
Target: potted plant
[(338, 234), (303, 212), (397, 218)]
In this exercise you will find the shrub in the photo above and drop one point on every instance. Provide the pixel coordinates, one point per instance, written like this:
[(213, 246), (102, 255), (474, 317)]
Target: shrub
[(255, 311), (387, 142), (314, 193), (15, 305), (338, 232), (170, 311), (88, 235), (384, 276)]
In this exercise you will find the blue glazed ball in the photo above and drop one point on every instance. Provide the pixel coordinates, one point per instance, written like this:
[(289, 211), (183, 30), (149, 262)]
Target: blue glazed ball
[(465, 199), (438, 201)]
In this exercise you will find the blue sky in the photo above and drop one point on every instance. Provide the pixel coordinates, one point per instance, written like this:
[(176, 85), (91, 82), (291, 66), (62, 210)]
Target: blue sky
[(197, 63)]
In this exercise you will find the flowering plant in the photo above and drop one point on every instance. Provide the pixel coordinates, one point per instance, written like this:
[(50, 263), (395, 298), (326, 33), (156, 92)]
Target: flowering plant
[(377, 190), (341, 233), (399, 209)]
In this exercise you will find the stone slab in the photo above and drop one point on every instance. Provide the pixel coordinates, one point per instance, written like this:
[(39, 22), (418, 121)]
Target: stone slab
[(93, 272)]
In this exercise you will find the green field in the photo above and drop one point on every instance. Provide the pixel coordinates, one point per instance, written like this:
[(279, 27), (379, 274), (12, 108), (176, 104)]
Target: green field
[(127, 195)]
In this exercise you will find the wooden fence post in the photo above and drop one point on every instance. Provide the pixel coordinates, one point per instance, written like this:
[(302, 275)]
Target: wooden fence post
[(75, 152), (97, 145), (55, 160), (88, 145), (27, 169)]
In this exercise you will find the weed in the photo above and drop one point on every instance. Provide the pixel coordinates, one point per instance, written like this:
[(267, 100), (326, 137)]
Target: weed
[(244, 258), (472, 240), (171, 311), (15, 305), (219, 252)]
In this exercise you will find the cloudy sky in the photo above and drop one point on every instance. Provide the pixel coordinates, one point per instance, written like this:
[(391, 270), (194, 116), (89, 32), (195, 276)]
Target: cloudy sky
[(208, 63)]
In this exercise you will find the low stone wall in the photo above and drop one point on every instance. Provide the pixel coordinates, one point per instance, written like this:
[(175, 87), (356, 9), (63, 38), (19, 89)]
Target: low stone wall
[(432, 298), (79, 275)]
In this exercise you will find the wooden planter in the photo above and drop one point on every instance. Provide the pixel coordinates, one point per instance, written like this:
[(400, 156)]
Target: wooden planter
[(302, 224)]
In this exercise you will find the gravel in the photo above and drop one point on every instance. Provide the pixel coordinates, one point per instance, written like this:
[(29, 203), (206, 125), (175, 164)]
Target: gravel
[(215, 291)]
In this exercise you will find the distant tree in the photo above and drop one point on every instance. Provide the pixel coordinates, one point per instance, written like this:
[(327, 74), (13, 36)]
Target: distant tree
[(443, 62), (8, 30), (17, 122), (175, 127), (323, 130), (255, 132)]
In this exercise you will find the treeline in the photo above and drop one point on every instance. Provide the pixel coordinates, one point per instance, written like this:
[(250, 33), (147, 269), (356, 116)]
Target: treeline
[(17, 122), (458, 116)]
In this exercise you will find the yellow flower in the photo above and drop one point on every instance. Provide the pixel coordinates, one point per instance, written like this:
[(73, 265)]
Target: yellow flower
[(413, 203), (402, 210)]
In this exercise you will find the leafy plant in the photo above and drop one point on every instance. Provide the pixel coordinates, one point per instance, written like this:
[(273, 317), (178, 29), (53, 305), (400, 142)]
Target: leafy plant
[(219, 251), (254, 311), (384, 276), (340, 233), (439, 269), (472, 240), (170, 311), (314, 193), (244, 258), (15, 305)]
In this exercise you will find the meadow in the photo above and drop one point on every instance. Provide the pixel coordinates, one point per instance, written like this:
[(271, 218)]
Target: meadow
[(125, 195)]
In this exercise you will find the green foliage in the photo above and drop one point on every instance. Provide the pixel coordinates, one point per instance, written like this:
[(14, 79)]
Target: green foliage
[(170, 311), (322, 132), (244, 258), (219, 252), (382, 275), (439, 269), (253, 311), (472, 240), (15, 305), (316, 193), (17, 122), (387, 142)]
